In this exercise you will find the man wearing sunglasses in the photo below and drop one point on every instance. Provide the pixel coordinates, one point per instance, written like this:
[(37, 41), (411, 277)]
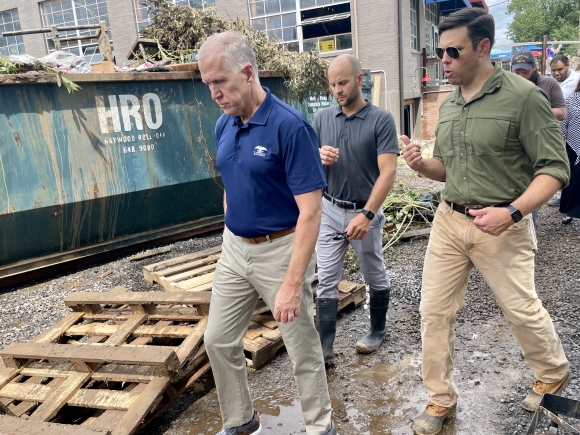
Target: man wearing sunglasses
[(500, 152)]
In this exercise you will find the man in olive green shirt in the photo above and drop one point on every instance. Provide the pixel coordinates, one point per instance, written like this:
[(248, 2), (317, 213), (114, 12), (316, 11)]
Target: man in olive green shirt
[(500, 152)]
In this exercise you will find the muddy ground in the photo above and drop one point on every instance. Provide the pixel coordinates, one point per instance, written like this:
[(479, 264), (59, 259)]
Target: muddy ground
[(373, 394)]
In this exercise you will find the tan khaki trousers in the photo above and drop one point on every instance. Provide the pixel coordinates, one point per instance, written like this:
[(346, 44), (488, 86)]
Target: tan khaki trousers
[(506, 262), (244, 273)]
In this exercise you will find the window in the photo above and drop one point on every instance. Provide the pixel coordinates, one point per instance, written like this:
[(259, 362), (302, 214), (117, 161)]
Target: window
[(414, 24), (304, 25), (9, 22), (431, 32), (75, 13), (277, 19), (145, 16)]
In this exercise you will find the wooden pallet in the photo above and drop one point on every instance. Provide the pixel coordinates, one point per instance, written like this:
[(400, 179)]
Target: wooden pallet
[(195, 272), (108, 367)]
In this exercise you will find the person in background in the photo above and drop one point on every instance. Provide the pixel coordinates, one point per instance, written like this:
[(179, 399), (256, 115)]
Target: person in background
[(551, 52), (570, 199), (267, 155), (500, 152), (565, 77), (524, 65), (359, 150)]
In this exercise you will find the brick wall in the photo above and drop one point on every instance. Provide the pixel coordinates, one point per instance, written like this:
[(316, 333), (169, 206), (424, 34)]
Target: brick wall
[(431, 103)]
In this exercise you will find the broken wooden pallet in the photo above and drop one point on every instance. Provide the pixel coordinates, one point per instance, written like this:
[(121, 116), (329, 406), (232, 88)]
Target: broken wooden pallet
[(108, 367), (195, 272)]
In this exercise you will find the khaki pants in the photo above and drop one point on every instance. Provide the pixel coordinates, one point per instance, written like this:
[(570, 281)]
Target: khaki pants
[(507, 264), (244, 273)]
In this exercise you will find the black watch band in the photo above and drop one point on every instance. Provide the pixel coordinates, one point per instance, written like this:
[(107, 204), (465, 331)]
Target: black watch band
[(515, 213), (369, 214)]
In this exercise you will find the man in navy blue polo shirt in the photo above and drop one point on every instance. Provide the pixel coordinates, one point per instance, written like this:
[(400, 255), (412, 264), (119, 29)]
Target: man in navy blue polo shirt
[(267, 155)]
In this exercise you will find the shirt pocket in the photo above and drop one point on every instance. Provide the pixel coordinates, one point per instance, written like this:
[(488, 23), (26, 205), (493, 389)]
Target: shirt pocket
[(445, 142), (489, 134)]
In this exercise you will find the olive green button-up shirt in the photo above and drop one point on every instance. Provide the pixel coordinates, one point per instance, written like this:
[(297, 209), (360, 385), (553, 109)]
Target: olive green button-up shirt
[(493, 146)]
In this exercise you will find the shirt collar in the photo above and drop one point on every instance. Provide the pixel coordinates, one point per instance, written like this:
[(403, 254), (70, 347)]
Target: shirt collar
[(262, 114), (362, 113), (491, 85)]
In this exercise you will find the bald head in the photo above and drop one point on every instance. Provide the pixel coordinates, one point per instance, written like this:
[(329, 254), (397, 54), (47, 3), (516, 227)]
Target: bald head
[(346, 64), (235, 48)]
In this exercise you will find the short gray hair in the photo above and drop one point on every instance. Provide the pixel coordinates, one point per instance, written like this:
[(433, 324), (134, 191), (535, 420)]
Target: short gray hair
[(236, 48)]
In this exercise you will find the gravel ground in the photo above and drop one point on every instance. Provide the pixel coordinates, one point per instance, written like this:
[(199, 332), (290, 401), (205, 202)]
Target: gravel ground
[(374, 394)]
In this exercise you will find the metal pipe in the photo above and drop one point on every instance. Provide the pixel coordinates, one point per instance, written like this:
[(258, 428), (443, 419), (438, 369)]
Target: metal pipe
[(401, 60), (355, 19), (415, 75), (380, 71), (48, 30)]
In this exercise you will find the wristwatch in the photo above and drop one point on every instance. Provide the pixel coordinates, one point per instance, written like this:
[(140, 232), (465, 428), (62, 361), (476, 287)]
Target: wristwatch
[(369, 214), (516, 214)]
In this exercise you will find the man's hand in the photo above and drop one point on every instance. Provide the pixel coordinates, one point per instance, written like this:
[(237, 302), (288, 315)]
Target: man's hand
[(288, 300), (328, 155), (492, 220), (412, 154), (358, 227)]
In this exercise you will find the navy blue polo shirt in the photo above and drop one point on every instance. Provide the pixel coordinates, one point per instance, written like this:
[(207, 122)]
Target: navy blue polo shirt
[(264, 164)]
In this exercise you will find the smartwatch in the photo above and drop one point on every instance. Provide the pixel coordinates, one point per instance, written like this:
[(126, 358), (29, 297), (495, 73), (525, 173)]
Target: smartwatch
[(515, 213), (369, 214)]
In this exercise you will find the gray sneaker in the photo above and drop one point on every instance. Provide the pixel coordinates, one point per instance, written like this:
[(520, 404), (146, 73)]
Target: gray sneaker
[(554, 202), (253, 427), (332, 430)]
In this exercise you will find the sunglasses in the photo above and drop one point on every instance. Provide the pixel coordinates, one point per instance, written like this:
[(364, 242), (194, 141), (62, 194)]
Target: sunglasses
[(339, 236), (452, 52)]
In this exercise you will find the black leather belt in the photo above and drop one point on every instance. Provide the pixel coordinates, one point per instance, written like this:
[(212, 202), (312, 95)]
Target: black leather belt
[(465, 210), (347, 205)]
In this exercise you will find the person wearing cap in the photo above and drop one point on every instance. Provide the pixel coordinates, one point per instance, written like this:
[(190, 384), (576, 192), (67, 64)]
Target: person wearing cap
[(524, 65), (500, 152), (359, 150), (267, 156)]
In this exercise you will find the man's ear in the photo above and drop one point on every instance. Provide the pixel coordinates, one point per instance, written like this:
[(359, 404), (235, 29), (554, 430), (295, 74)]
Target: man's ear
[(484, 47), (248, 70)]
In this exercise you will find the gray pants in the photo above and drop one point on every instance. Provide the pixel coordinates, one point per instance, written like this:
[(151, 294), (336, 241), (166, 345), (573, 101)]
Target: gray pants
[(330, 253), (244, 273)]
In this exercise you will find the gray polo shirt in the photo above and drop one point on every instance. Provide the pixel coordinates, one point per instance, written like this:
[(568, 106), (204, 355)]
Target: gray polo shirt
[(361, 138)]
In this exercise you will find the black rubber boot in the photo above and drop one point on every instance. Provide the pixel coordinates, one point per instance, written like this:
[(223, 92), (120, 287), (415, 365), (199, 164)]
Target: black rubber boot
[(326, 309), (379, 305)]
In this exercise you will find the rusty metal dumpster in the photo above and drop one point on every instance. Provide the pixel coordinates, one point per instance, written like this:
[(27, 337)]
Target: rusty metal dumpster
[(126, 160)]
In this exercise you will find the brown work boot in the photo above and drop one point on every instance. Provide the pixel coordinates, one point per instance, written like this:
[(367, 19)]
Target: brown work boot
[(532, 400), (431, 420)]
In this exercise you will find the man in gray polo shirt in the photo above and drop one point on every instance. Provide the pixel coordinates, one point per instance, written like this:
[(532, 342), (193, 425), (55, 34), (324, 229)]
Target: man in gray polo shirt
[(359, 149)]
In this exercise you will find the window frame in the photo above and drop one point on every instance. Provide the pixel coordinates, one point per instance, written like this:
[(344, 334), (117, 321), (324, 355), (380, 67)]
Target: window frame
[(7, 50)]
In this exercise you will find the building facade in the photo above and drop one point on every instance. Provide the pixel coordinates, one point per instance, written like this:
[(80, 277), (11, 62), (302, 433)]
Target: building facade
[(368, 29)]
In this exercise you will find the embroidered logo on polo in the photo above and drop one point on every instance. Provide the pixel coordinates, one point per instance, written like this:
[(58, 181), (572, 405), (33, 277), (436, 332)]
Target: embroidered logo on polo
[(260, 151)]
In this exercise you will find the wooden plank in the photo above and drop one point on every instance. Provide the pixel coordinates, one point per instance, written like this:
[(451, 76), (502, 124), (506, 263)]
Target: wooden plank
[(123, 373), (176, 271), (415, 233), (183, 298), (200, 288), (150, 270), (108, 419), (190, 272), (149, 254), (142, 406), (104, 399), (103, 329), (151, 356), (21, 426), (7, 375), (198, 374), (253, 333), (195, 282), (59, 397), (121, 334), (26, 392), (192, 342), (54, 333), (183, 314), (266, 320), (45, 373), (346, 286)]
